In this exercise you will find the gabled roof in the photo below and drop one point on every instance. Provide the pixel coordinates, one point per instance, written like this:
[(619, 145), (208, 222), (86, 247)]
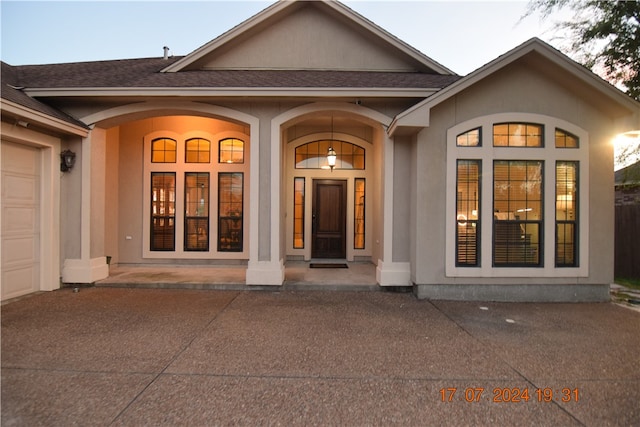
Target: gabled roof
[(281, 9), (174, 76), (19, 104), (145, 73), (571, 73)]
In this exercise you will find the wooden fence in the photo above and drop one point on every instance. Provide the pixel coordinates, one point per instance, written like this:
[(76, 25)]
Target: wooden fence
[(627, 249)]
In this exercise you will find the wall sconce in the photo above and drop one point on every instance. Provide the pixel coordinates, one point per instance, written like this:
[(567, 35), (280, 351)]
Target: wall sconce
[(331, 158), (67, 160)]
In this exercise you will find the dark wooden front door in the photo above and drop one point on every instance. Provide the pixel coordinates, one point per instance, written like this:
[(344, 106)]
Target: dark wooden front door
[(329, 219)]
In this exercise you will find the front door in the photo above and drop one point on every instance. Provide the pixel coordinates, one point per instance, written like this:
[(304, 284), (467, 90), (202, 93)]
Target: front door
[(329, 219)]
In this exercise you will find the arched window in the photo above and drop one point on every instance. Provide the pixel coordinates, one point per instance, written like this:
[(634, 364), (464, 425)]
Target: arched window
[(197, 150), (313, 155), (163, 150), (195, 205), (231, 151), (470, 138), (518, 135), (565, 139), (516, 202)]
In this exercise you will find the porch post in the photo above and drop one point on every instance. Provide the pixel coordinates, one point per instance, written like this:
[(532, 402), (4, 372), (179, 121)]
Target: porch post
[(91, 265), (265, 267), (388, 272)]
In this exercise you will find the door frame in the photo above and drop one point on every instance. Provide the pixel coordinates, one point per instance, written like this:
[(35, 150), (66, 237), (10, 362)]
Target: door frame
[(343, 215)]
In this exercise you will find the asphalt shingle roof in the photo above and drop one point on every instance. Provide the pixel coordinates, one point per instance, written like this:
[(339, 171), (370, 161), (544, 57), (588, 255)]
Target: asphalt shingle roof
[(11, 90), (145, 73)]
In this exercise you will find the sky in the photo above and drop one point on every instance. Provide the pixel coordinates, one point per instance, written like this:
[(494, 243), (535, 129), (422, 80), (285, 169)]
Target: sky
[(461, 35)]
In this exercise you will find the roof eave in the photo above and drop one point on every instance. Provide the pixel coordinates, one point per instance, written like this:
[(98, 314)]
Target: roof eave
[(32, 116), (233, 92), (409, 116)]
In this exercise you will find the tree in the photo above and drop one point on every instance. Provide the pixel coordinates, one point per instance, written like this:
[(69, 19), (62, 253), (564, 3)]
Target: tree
[(605, 36)]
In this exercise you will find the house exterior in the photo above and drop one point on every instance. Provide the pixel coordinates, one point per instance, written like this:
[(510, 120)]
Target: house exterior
[(493, 186)]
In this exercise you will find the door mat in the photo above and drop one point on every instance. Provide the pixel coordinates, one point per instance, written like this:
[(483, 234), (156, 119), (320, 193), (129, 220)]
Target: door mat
[(327, 265)]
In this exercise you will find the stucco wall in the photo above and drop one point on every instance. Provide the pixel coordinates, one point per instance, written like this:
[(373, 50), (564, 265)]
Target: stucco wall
[(306, 39), (129, 137), (514, 89), (401, 199)]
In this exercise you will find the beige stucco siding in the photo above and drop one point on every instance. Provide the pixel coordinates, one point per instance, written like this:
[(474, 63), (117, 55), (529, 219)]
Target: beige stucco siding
[(126, 142), (513, 90), (401, 199), (307, 39)]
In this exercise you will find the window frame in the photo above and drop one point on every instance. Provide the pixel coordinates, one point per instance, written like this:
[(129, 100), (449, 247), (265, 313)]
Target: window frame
[(575, 222), (509, 135), (323, 148), (237, 242), (356, 206), (220, 151), (488, 153), (189, 219), (466, 134), (170, 217), (518, 245), (181, 167), (475, 224), (164, 151), (198, 152), (302, 207)]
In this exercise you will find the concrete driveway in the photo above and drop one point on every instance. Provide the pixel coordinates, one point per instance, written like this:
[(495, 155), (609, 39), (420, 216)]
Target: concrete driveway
[(113, 356)]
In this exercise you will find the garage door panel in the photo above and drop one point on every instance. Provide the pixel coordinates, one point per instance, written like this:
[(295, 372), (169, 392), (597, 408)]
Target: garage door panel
[(21, 159), (19, 188), (19, 281), (19, 250), (19, 220)]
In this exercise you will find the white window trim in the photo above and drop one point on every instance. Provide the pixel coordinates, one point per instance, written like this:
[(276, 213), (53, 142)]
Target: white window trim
[(549, 154), (180, 167)]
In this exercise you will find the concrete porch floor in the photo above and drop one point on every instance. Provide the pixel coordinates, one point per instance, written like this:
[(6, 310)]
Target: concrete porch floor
[(359, 276)]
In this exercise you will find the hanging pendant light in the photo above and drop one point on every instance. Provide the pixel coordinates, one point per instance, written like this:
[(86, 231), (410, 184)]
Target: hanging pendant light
[(331, 158), (331, 154)]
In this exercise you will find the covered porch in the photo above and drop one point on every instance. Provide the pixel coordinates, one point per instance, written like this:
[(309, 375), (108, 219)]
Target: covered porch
[(358, 276)]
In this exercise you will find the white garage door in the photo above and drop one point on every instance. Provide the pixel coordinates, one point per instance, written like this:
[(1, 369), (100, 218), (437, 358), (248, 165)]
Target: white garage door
[(20, 220)]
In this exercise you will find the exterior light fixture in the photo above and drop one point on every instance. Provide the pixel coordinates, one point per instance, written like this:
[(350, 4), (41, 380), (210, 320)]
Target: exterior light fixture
[(67, 160), (331, 158)]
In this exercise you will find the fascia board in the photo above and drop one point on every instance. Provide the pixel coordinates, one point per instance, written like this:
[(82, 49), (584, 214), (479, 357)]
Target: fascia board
[(412, 115), (409, 116), (42, 119), (232, 91), (389, 38), (584, 74)]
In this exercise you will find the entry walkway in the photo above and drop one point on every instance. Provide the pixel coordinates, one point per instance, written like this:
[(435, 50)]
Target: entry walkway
[(359, 276), (135, 357)]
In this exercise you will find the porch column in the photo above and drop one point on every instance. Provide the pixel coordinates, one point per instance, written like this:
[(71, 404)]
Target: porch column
[(266, 265), (92, 264), (388, 272)]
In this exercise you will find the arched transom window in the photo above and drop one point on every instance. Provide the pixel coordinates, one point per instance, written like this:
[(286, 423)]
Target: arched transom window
[(313, 155)]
